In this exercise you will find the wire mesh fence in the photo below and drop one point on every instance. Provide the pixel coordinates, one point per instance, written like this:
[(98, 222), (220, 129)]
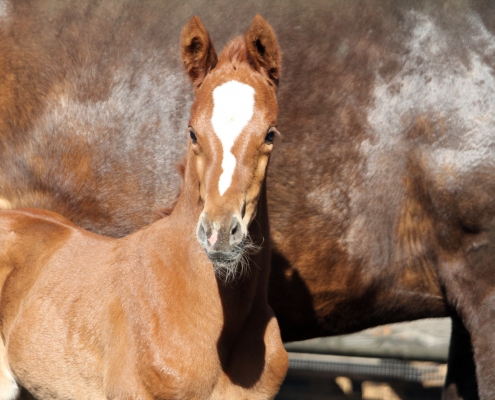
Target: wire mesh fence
[(315, 377), (401, 362)]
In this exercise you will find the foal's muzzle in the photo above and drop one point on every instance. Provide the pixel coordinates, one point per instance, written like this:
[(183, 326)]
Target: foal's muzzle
[(222, 240)]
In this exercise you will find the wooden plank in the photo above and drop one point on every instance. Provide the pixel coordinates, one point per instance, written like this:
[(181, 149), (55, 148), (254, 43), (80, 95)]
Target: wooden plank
[(426, 340)]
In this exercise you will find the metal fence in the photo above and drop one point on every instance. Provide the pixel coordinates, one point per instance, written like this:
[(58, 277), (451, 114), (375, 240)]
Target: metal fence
[(394, 362)]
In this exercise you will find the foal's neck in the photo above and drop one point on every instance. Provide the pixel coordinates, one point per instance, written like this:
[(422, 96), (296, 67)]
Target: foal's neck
[(189, 205), (188, 209)]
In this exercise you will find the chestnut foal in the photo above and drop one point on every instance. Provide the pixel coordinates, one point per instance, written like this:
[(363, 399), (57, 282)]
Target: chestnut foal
[(155, 315)]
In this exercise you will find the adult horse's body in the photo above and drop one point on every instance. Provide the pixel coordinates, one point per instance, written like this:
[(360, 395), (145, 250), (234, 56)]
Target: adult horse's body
[(151, 315), (381, 197)]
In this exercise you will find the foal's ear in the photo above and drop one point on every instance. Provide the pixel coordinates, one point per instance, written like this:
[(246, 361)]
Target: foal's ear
[(262, 48), (198, 54)]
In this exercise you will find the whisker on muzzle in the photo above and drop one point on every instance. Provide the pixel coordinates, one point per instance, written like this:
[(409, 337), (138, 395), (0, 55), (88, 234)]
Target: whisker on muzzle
[(234, 264)]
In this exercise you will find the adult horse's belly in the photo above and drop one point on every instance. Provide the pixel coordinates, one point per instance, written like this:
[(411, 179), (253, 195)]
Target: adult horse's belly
[(385, 159)]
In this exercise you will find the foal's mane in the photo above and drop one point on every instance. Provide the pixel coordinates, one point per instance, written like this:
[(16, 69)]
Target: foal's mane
[(234, 53), (237, 52)]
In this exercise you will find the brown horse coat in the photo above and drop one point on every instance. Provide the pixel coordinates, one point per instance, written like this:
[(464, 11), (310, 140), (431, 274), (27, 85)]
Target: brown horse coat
[(151, 315), (380, 194)]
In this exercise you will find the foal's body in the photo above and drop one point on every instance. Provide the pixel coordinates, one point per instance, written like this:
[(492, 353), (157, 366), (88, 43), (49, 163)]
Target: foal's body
[(157, 315), (146, 310)]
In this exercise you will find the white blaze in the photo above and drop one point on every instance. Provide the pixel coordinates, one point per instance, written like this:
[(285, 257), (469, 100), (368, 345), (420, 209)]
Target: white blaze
[(233, 107)]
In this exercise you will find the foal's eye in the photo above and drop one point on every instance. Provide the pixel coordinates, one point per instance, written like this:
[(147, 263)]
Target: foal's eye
[(193, 136), (269, 137)]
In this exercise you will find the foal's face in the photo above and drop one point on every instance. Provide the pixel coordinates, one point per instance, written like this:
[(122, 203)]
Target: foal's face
[(232, 127)]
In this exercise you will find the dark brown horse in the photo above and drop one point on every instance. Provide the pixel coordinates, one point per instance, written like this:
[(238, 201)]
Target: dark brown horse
[(151, 316), (381, 194)]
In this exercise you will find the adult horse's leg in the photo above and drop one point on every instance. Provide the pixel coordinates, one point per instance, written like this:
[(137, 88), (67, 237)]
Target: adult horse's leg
[(461, 375), (469, 284)]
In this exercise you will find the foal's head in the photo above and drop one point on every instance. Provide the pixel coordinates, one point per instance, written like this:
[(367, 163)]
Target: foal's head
[(232, 126)]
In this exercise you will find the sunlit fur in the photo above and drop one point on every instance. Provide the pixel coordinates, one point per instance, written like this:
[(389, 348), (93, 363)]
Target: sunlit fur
[(149, 316), (384, 177)]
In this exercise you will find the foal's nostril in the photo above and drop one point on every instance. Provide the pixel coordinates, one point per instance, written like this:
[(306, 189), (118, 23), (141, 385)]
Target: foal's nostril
[(201, 233), (235, 232)]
